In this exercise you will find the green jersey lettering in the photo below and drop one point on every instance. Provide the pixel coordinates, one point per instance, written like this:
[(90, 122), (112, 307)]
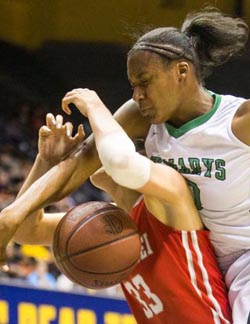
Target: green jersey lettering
[(195, 165), (196, 194), (183, 168), (220, 174), (208, 164)]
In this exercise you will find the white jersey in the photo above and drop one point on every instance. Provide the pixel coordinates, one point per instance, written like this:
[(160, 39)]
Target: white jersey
[(217, 167)]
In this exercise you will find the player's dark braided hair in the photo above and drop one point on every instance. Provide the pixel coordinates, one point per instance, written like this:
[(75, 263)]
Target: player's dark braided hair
[(207, 38)]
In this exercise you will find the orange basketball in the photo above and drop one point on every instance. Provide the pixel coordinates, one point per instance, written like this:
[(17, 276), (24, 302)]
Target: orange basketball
[(96, 245)]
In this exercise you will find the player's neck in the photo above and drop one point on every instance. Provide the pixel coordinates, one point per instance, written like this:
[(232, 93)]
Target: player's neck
[(195, 105)]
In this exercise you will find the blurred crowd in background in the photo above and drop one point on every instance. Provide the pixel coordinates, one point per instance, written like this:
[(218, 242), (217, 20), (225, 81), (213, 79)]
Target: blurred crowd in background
[(34, 267)]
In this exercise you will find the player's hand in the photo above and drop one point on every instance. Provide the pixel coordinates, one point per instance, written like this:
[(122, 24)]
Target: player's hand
[(84, 99), (56, 141)]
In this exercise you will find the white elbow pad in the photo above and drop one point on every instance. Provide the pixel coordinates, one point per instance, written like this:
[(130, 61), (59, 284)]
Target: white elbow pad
[(121, 161)]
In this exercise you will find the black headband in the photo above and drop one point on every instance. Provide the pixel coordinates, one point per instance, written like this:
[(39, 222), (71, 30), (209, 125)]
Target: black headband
[(169, 51)]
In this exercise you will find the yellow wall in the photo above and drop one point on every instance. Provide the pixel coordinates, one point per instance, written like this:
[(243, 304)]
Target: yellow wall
[(246, 7), (31, 22)]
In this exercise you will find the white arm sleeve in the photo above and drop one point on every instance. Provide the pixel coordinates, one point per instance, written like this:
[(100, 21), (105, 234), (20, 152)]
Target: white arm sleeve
[(121, 161)]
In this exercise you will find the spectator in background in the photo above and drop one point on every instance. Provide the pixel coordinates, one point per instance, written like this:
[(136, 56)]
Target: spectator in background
[(26, 266), (40, 277)]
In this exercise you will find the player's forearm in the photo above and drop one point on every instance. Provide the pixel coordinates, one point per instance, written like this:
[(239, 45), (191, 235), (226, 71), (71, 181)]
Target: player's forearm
[(26, 211), (65, 178), (57, 182), (80, 167), (102, 123), (38, 230), (27, 228), (38, 195), (123, 197), (39, 168)]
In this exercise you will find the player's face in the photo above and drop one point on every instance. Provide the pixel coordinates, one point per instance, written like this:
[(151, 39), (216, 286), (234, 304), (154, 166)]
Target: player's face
[(155, 85)]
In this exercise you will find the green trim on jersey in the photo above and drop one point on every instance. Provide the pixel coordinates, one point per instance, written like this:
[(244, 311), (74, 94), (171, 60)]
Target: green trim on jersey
[(177, 132)]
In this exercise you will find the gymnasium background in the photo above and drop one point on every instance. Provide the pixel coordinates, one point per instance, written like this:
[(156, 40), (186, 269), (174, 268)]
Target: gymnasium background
[(48, 47)]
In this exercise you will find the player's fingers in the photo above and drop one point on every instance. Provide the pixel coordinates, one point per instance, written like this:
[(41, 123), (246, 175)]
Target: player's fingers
[(59, 121), (73, 92), (50, 120), (68, 128), (45, 131), (71, 97), (80, 132), (65, 104)]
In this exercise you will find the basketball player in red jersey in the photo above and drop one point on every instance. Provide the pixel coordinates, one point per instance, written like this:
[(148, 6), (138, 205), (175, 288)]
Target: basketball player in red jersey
[(177, 280)]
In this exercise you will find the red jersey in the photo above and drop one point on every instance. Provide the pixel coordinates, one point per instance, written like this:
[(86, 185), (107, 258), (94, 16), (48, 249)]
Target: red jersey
[(177, 280)]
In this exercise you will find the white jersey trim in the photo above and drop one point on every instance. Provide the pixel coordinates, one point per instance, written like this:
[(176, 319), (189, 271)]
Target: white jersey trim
[(216, 311)]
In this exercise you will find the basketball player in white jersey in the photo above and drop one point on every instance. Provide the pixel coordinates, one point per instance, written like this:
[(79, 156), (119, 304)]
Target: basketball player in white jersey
[(204, 136)]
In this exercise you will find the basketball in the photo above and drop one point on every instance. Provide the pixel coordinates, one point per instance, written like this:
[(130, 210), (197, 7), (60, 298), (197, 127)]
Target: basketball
[(96, 245)]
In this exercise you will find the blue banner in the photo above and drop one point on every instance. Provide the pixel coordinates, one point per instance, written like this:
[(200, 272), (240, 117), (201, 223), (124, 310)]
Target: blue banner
[(20, 305)]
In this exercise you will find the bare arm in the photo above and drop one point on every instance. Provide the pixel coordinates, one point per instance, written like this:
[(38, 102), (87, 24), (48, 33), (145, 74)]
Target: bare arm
[(241, 123), (165, 191), (86, 161), (61, 179), (123, 197), (129, 117), (55, 143), (68, 175), (38, 230), (65, 177), (178, 211)]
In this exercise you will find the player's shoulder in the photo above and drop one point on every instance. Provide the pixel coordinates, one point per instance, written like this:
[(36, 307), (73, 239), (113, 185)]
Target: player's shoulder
[(246, 106), (129, 117), (240, 103), (244, 109), (229, 98), (242, 118), (241, 122), (235, 104), (129, 106)]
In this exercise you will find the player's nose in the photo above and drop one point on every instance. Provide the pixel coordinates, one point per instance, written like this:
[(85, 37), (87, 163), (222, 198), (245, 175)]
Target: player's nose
[(138, 94)]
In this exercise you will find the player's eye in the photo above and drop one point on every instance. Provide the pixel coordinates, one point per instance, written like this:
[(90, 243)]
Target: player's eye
[(144, 83)]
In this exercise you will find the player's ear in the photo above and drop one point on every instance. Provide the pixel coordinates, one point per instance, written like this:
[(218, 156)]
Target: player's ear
[(182, 70)]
